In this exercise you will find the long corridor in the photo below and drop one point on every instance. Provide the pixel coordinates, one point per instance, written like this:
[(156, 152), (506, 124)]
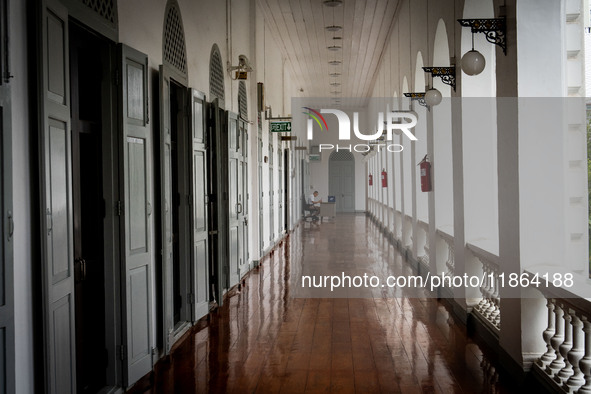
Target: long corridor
[(264, 340)]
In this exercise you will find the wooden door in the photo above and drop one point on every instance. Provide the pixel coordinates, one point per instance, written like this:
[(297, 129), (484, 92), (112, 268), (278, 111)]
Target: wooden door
[(235, 204), (261, 196), (217, 137), (271, 198), (244, 197), (56, 202), (136, 211), (281, 189), (341, 180), (166, 209), (7, 329), (200, 201)]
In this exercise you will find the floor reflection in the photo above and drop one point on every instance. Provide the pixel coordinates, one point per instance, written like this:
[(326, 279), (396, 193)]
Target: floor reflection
[(264, 340)]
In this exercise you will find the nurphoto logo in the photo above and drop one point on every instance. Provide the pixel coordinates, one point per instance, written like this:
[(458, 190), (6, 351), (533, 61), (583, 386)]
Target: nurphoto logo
[(396, 122)]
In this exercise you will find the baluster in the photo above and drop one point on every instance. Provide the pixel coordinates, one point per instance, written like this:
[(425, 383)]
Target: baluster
[(491, 294), (548, 333), (495, 316), (494, 307), (487, 286), (585, 363), (566, 371), (484, 365), (494, 381), (576, 353), (450, 258), (481, 305), (426, 247), (558, 363)]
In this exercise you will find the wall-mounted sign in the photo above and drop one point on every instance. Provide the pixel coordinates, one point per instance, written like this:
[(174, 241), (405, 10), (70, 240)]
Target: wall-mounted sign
[(280, 127)]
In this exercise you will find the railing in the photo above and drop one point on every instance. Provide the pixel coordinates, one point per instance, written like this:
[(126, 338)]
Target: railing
[(490, 376), (567, 361), (371, 206), (423, 239), (383, 208), (449, 242), (391, 218), (407, 232), (398, 225), (489, 305)]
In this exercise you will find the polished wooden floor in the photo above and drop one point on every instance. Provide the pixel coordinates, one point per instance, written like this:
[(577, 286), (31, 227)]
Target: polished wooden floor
[(265, 341)]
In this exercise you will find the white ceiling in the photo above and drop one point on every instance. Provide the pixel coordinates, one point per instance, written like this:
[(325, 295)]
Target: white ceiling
[(299, 28)]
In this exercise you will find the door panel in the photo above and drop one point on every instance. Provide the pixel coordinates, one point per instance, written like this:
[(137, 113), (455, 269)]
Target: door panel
[(137, 220), (199, 204), (56, 191), (62, 366), (234, 222), (341, 184), (235, 197), (348, 185), (217, 139), (244, 199), (233, 255), (7, 347), (136, 208), (261, 211), (5, 376), (166, 209), (281, 191), (271, 199)]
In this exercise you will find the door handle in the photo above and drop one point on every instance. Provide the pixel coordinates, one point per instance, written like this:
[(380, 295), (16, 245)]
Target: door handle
[(49, 221), (80, 270), (239, 207), (10, 225)]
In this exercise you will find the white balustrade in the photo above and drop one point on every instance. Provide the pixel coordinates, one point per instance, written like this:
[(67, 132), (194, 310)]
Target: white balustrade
[(398, 219), (567, 361), (490, 376), (450, 260), (423, 240), (489, 306), (407, 232)]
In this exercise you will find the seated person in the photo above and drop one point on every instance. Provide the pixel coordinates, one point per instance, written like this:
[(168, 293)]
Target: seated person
[(314, 202)]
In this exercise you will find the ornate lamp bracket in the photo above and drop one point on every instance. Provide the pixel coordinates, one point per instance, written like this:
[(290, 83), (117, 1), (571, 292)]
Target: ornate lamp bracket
[(418, 97), (494, 29), (447, 74)]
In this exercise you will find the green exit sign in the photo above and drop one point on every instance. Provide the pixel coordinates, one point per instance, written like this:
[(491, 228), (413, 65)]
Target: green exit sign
[(281, 127)]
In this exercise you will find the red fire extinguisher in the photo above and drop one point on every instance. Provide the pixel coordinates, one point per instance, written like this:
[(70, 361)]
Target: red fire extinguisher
[(425, 167), (370, 180), (384, 178)]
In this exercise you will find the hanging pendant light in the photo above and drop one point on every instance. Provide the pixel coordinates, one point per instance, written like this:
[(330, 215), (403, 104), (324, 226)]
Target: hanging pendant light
[(473, 62), (433, 97)]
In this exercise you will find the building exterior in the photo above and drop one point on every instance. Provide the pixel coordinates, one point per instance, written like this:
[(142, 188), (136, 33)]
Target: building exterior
[(141, 180)]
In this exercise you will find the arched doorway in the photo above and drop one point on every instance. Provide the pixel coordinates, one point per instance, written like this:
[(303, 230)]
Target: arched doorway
[(341, 180)]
